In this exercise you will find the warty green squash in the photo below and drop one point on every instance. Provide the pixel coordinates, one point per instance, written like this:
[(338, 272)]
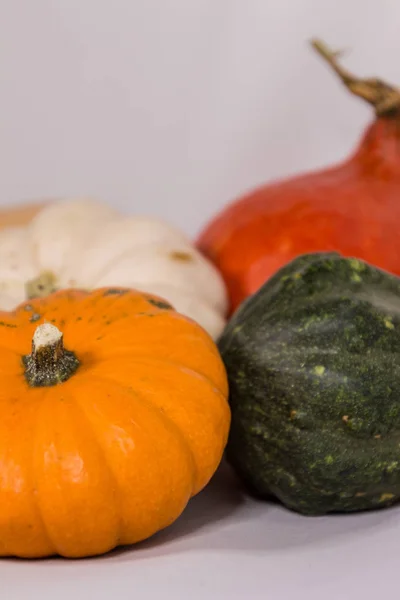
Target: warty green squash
[(313, 361)]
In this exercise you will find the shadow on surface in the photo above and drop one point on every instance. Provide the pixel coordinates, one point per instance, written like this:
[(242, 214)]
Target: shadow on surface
[(224, 518), (216, 504)]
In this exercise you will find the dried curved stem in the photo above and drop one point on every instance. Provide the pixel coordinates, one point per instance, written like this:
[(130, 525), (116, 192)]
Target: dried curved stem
[(384, 98)]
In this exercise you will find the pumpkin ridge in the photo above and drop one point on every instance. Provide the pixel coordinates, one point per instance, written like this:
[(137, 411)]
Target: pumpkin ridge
[(78, 404), (35, 499), (215, 404), (133, 248), (150, 358), (163, 417), (180, 444), (200, 262), (79, 496), (106, 268)]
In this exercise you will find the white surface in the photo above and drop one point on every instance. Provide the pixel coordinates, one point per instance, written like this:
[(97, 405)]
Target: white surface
[(173, 107)]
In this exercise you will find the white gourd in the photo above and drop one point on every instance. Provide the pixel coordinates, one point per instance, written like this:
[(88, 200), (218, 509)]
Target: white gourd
[(86, 244)]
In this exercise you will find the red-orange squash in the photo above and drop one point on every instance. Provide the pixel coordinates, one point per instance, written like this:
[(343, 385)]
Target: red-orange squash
[(353, 207), (113, 414)]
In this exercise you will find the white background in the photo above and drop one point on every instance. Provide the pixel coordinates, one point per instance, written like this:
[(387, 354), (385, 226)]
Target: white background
[(174, 107)]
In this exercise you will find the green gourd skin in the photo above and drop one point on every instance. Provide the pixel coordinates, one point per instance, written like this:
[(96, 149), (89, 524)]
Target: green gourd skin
[(313, 361)]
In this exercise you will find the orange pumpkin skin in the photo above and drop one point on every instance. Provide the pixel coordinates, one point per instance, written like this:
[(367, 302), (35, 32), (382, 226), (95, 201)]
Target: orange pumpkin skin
[(21, 214), (114, 453)]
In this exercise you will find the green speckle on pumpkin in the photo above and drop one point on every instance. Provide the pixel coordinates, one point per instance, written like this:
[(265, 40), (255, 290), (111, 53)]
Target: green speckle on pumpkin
[(355, 424), (329, 459), (319, 370), (310, 321), (392, 466), (386, 497), (356, 264), (346, 494), (388, 323)]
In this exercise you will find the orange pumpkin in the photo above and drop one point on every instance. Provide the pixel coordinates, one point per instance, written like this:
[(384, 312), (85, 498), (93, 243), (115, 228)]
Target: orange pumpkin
[(21, 214), (114, 413)]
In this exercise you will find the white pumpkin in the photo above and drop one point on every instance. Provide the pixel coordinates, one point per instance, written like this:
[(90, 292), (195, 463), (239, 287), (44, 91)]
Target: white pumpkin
[(83, 243)]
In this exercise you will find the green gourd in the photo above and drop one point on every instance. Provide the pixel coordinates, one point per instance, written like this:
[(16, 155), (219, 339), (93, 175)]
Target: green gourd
[(313, 361)]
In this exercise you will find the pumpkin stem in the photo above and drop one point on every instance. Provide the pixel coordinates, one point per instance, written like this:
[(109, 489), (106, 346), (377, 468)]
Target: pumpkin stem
[(41, 286), (49, 362), (384, 98)]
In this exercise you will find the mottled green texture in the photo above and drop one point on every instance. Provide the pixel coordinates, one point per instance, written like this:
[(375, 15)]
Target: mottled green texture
[(313, 361)]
